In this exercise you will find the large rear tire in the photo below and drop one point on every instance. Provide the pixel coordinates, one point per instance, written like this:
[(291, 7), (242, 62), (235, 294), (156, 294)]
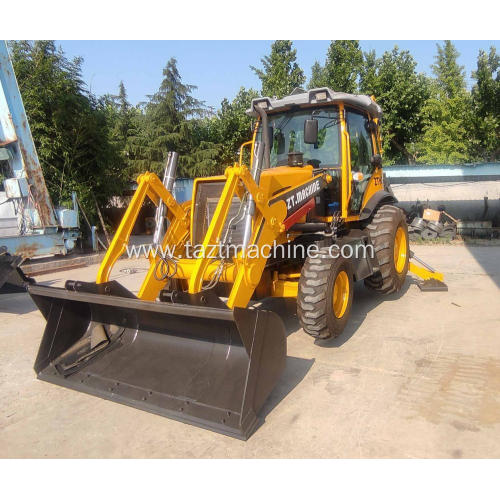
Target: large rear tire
[(325, 294), (389, 235)]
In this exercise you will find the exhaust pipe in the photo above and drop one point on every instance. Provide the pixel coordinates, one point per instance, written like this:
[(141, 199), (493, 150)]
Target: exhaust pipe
[(261, 157), (168, 182)]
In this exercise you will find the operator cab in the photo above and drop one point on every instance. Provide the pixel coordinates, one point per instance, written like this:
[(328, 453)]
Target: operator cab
[(289, 138), (305, 128)]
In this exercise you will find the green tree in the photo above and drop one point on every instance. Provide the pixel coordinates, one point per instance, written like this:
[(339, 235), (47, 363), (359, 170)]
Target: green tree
[(317, 76), (120, 117), (402, 93), (69, 125), (446, 138), (220, 136), (447, 113), (203, 158), (280, 73), (343, 63), (124, 114), (234, 126), (449, 74), (165, 123), (486, 106), (368, 72)]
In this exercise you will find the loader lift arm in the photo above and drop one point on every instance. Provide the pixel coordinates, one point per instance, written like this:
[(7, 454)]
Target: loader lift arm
[(248, 273), (245, 271), (149, 185), (264, 232)]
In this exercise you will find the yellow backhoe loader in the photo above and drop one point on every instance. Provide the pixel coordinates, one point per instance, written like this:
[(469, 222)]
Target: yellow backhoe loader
[(304, 213)]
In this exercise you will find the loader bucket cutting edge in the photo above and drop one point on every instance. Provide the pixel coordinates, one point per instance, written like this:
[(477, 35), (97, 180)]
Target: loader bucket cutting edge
[(206, 366)]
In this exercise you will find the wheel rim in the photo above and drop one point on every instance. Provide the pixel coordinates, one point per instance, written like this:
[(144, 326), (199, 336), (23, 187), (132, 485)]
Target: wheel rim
[(340, 294), (400, 250)]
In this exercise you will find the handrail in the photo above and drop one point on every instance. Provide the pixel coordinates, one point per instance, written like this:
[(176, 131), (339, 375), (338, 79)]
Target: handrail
[(248, 143)]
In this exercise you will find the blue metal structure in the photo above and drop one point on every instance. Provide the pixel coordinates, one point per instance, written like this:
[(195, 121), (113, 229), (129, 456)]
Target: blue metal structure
[(29, 224), (183, 189), (410, 174)]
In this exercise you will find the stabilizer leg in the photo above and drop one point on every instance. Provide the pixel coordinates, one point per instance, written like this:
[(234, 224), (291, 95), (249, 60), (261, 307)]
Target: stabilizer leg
[(432, 280)]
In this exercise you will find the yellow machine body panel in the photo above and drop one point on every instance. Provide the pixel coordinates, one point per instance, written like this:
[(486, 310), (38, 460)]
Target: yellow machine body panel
[(375, 184)]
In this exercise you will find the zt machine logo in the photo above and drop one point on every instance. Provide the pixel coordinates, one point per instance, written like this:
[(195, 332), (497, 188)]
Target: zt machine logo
[(297, 198)]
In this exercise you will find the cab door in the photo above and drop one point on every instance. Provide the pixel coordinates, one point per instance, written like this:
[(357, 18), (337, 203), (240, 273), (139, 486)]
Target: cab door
[(361, 152)]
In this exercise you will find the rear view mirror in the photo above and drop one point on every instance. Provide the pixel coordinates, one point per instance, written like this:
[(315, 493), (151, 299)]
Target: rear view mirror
[(311, 131)]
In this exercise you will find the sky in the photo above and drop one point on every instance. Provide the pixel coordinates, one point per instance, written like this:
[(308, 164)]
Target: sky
[(220, 68)]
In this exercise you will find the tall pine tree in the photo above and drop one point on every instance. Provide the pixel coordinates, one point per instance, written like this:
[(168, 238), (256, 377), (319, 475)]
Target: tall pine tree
[(166, 123)]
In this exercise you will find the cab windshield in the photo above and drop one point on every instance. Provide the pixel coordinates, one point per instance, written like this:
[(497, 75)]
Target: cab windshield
[(287, 132)]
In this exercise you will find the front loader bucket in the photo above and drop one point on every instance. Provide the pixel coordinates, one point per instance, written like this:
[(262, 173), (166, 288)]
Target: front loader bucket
[(206, 366)]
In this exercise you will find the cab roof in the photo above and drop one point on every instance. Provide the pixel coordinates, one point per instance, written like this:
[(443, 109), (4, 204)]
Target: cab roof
[(300, 97)]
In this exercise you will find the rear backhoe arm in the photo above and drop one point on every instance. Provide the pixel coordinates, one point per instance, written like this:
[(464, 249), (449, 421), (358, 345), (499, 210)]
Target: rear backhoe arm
[(433, 281)]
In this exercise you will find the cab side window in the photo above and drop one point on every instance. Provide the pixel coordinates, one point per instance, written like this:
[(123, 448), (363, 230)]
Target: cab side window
[(360, 142)]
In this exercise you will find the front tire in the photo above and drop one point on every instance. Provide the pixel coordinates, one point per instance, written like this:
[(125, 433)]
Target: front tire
[(325, 294), (389, 235)]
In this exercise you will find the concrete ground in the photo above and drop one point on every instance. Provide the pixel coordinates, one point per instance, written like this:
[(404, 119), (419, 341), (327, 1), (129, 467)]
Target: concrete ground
[(413, 375)]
